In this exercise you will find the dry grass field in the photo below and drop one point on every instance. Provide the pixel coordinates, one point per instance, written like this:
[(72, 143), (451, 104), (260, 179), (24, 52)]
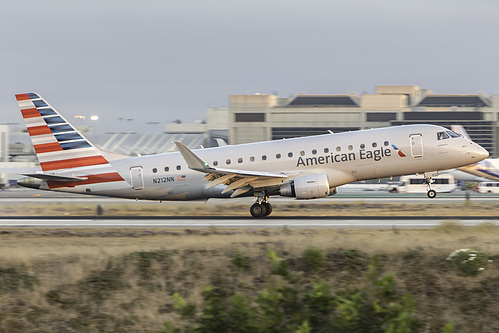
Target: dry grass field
[(123, 280), (218, 208)]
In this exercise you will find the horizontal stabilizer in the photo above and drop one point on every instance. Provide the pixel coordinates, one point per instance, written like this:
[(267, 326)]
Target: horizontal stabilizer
[(54, 177)]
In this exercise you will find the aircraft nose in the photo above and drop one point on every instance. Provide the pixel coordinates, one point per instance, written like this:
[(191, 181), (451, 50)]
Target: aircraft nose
[(478, 153)]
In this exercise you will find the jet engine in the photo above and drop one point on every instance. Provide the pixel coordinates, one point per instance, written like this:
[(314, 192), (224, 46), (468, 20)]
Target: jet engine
[(307, 187)]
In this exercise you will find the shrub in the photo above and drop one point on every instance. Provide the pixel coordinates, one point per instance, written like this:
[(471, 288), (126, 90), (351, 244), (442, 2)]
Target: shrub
[(144, 260), (100, 285), (240, 260), (14, 278), (351, 260), (313, 259), (469, 262), (279, 266), (186, 310)]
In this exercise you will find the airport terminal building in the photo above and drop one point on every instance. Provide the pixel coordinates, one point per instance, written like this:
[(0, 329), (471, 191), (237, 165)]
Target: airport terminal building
[(261, 117)]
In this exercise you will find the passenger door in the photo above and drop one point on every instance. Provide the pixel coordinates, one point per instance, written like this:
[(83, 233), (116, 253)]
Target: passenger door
[(136, 175), (416, 145)]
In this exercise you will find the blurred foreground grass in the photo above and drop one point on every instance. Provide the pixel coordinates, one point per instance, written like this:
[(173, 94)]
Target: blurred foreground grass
[(123, 280)]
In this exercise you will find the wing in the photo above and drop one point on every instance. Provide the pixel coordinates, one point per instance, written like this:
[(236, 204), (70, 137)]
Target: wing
[(239, 181)]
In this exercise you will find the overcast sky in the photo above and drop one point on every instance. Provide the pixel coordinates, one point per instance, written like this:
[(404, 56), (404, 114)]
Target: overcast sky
[(165, 60)]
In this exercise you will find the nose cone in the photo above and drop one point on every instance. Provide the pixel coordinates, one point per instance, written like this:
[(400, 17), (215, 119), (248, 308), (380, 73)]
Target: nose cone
[(29, 182), (479, 153), (474, 152)]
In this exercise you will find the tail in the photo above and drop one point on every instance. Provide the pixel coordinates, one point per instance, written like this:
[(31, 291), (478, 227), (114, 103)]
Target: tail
[(63, 152), (58, 145)]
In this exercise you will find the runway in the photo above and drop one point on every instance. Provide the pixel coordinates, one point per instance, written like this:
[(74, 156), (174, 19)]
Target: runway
[(304, 222), (28, 196), (25, 196)]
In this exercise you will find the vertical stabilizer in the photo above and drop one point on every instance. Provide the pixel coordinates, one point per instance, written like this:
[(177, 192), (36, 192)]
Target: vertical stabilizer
[(58, 145)]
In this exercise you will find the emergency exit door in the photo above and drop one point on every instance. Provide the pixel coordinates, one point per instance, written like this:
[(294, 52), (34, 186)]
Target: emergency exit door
[(137, 178)]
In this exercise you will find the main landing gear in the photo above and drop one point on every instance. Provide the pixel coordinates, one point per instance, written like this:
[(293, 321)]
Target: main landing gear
[(261, 207), (431, 193)]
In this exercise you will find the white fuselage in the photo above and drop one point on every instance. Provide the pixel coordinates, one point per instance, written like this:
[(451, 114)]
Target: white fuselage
[(343, 157)]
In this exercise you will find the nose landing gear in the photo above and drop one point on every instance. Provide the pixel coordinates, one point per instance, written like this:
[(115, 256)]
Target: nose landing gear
[(431, 193), (261, 207)]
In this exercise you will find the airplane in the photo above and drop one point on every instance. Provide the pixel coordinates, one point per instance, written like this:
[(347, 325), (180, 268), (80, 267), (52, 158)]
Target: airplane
[(487, 168), (303, 168)]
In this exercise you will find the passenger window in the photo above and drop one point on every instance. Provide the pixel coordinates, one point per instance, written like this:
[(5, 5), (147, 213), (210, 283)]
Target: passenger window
[(350, 147), (239, 160), (278, 156), (314, 151), (227, 161), (326, 150), (290, 154), (362, 146), (215, 163), (338, 148), (302, 153), (154, 170), (179, 167), (386, 143), (252, 159), (167, 169), (375, 144), (264, 157)]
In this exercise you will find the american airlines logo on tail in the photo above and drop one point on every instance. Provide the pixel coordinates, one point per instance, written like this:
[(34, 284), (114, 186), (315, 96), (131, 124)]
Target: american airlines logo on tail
[(59, 146)]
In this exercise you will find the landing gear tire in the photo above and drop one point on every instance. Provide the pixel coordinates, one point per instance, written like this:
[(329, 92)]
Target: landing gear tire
[(431, 194), (258, 210), (268, 208)]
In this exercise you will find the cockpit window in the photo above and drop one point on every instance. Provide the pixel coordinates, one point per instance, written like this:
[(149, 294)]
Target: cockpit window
[(442, 135), (453, 134)]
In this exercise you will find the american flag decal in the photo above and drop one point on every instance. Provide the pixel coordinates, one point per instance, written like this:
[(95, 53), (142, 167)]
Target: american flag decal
[(183, 177)]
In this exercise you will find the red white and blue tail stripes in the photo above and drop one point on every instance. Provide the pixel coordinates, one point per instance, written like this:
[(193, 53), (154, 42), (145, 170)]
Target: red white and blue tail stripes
[(58, 145)]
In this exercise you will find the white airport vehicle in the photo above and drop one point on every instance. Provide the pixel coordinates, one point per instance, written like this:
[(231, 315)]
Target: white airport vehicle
[(304, 168), (443, 183), (488, 187)]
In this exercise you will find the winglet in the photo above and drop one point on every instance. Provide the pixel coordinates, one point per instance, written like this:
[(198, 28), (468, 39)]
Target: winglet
[(221, 142), (193, 161)]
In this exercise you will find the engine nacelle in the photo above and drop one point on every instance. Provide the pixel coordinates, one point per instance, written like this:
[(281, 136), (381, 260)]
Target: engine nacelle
[(307, 187)]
